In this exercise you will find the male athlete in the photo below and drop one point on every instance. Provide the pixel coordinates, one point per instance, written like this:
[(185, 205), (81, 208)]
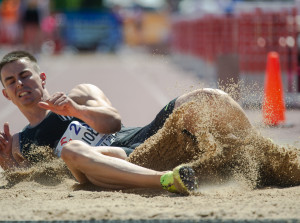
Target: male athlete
[(83, 128)]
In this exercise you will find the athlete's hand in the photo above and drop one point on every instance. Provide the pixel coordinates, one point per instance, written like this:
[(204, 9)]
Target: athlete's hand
[(60, 103), (5, 144)]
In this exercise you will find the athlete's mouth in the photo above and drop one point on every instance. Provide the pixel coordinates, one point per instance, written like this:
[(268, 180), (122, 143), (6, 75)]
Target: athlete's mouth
[(24, 93)]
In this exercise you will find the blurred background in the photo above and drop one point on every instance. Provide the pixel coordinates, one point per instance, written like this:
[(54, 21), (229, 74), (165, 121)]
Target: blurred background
[(220, 39), (220, 42)]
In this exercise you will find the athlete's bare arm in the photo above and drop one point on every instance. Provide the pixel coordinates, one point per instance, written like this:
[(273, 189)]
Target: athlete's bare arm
[(88, 103)]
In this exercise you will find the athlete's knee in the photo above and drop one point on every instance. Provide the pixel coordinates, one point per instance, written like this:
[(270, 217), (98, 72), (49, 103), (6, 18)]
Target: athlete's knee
[(72, 150)]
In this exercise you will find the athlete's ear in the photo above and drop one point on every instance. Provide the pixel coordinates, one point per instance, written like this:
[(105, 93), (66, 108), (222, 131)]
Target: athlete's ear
[(43, 77), (5, 94)]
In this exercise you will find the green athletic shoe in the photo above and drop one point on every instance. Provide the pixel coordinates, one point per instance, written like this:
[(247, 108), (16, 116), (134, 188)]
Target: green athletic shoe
[(181, 180)]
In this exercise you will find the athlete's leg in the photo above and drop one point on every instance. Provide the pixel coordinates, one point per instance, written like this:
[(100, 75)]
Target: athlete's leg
[(116, 152), (87, 164), (224, 114), (230, 126), (209, 117)]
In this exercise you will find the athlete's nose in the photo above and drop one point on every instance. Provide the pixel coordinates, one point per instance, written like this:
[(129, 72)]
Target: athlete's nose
[(19, 83)]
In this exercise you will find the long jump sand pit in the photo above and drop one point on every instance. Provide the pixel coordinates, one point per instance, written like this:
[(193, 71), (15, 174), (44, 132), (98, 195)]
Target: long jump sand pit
[(249, 178), (48, 192), (254, 189)]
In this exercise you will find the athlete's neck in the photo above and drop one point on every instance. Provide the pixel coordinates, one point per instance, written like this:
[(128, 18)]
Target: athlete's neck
[(34, 113), (36, 117)]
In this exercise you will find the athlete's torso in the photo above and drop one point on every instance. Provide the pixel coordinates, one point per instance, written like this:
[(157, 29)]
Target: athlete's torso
[(55, 131)]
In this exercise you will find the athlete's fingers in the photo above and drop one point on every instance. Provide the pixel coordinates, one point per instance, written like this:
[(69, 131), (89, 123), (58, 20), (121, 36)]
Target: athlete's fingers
[(3, 137), (57, 100), (6, 130), (2, 147), (3, 141), (44, 105), (61, 101), (53, 108), (53, 98)]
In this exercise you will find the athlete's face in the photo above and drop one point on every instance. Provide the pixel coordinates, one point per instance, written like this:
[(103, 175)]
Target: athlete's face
[(23, 84)]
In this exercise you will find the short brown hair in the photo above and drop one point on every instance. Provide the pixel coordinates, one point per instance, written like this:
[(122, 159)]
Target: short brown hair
[(14, 56)]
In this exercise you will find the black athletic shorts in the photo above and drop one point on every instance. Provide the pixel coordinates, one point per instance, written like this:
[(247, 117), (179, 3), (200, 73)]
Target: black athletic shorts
[(128, 138)]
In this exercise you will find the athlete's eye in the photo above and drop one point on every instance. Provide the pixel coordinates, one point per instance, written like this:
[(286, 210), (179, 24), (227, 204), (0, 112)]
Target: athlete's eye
[(10, 81), (25, 74)]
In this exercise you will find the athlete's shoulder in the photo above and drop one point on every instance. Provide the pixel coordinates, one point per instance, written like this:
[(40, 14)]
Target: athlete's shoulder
[(85, 92), (85, 89)]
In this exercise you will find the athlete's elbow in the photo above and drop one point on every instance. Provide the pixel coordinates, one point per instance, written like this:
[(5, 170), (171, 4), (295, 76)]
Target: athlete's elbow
[(116, 124), (111, 125)]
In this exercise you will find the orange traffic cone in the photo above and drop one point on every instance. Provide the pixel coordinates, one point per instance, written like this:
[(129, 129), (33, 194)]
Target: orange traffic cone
[(273, 106)]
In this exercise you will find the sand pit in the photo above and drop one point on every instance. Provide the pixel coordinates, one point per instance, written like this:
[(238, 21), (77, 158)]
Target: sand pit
[(61, 199), (37, 199), (241, 174), (30, 195)]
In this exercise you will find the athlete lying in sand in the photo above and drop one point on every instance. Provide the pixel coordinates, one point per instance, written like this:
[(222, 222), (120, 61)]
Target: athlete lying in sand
[(86, 131)]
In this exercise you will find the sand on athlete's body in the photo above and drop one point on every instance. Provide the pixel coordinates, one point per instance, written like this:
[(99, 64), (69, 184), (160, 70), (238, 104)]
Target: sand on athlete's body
[(246, 182), (146, 79)]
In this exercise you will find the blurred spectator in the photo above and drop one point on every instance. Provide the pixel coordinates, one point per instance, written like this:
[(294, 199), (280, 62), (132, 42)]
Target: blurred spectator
[(31, 27), (119, 18), (138, 19), (48, 27), (9, 27), (52, 41)]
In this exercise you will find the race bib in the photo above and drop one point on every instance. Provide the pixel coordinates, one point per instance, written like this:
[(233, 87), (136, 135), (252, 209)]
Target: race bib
[(83, 132)]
